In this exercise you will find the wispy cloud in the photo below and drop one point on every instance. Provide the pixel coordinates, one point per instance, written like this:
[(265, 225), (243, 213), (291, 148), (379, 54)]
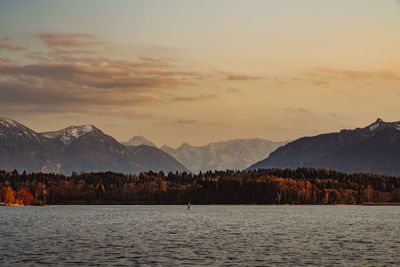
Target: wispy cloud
[(233, 90), (368, 34), (106, 74), (74, 80), (69, 40), (297, 110), (151, 59), (195, 98), (322, 83), (37, 96), (180, 121), (342, 74), (12, 47), (236, 76)]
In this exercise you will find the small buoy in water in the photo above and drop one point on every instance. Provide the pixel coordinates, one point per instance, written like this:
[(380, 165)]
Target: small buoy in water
[(188, 205)]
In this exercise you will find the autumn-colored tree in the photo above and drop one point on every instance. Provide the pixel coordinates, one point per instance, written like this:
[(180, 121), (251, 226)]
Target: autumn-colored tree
[(273, 186), (8, 195), (24, 196)]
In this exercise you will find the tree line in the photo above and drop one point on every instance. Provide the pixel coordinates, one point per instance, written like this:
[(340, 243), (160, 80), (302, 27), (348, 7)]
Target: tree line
[(272, 186)]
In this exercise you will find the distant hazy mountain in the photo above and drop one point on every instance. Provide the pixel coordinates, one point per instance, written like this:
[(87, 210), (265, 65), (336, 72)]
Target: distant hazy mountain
[(76, 148), (152, 158), (233, 154), (139, 140), (375, 149)]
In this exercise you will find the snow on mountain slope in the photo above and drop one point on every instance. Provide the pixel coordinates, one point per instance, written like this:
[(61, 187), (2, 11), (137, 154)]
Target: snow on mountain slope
[(75, 148), (23, 149), (233, 154), (8, 126), (69, 134)]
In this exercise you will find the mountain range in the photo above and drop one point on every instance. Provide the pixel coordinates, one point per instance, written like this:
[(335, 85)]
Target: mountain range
[(234, 154), (372, 149), (76, 148)]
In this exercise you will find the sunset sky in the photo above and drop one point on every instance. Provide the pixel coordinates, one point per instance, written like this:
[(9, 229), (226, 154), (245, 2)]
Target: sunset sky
[(200, 71)]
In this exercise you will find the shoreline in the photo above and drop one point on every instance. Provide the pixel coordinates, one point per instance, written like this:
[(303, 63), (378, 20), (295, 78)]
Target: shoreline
[(143, 204)]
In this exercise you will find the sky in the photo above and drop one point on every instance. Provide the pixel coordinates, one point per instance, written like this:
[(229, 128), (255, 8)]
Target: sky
[(200, 71)]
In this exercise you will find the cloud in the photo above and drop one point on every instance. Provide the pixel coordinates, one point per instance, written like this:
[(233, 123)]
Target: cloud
[(73, 52), (151, 59), (368, 34), (106, 74), (39, 97), (89, 84), (180, 121), (328, 74), (194, 98), (233, 90), (72, 77), (65, 56), (322, 83), (12, 47), (235, 76), (69, 40), (298, 110)]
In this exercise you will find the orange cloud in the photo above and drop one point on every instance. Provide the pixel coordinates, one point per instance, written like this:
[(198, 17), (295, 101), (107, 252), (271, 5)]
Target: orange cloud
[(150, 59), (354, 75), (12, 47), (194, 98), (368, 34), (234, 76), (322, 83), (106, 74), (298, 110), (91, 85), (180, 121), (69, 40)]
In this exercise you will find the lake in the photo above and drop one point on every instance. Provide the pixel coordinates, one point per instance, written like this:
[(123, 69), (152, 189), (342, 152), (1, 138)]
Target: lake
[(205, 235)]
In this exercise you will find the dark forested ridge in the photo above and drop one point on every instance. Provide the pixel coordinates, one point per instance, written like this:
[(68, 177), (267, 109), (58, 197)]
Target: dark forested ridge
[(273, 186), (372, 149)]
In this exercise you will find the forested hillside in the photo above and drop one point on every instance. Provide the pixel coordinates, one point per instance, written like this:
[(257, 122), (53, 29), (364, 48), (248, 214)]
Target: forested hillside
[(274, 186)]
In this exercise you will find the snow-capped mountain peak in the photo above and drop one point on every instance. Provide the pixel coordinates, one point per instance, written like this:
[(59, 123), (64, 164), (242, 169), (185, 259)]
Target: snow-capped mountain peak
[(375, 125), (11, 127), (231, 154), (70, 134), (75, 148), (8, 122), (379, 123), (78, 131)]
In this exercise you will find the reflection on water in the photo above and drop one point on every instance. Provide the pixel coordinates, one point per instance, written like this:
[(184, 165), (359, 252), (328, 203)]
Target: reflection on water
[(218, 235)]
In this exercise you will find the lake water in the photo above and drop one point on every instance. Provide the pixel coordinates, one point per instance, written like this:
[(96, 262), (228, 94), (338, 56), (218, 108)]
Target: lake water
[(205, 235)]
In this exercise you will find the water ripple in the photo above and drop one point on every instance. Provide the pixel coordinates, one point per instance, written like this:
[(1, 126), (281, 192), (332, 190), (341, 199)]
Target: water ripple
[(206, 235)]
